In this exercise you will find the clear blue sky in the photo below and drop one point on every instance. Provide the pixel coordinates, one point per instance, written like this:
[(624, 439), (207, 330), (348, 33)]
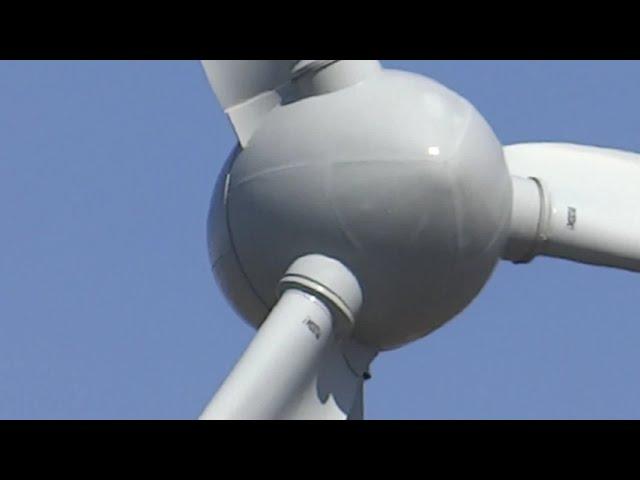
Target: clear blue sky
[(108, 308)]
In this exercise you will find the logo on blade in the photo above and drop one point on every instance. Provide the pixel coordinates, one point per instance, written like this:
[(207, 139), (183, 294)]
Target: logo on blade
[(572, 218), (313, 328)]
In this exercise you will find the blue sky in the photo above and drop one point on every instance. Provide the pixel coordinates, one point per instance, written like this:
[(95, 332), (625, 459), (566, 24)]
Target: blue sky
[(108, 308)]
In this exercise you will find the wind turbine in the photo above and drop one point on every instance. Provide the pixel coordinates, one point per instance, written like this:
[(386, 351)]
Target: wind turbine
[(363, 208)]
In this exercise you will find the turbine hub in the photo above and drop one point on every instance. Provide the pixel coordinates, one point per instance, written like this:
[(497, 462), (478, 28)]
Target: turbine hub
[(394, 175)]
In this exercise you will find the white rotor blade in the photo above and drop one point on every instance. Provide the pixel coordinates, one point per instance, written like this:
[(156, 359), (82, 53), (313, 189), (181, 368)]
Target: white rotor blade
[(575, 202), (246, 89), (303, 362), (290, 372)]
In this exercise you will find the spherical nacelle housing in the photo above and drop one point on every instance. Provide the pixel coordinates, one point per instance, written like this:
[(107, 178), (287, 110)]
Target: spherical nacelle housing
[(399, 178)]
